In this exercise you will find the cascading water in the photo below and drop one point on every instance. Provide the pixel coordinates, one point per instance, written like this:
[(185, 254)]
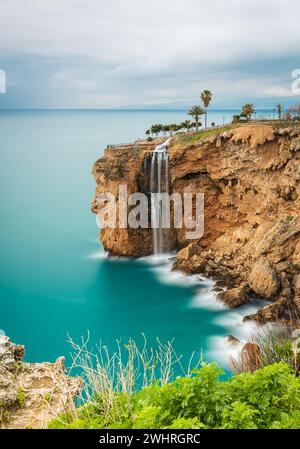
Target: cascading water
[(159, 184)]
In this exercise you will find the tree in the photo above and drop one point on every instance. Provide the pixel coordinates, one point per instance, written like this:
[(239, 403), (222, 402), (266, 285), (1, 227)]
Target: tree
[(165, 129), (156, 129), (173, 128), (206, 97), (247, 110), (279, 110), (148, 132), (195, 112), (187, 124), (183, 125)]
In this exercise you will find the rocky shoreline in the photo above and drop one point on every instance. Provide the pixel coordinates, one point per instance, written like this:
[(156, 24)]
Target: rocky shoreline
[(31, 394), (250, 179)]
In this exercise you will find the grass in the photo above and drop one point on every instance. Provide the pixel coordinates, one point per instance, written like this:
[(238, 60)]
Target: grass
[(136, 387), (109, 376), (267, 398), (271, 344), (20, 397), (200, 135)]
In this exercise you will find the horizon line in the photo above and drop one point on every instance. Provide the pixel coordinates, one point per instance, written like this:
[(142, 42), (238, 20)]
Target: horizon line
[(131, 109)]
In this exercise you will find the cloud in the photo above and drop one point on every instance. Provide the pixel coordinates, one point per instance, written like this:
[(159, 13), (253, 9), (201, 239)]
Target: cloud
[(142, 52)]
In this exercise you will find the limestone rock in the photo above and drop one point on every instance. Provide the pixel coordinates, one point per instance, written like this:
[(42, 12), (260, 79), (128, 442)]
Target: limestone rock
[(233, 340), (189, 251), (31, 394), (263, 279), (297, 292), (235, 297), (270, 312), (258, 135)]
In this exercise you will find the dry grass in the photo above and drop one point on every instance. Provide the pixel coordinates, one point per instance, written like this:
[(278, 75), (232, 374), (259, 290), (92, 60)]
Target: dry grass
[(108, 376), (271, 344)]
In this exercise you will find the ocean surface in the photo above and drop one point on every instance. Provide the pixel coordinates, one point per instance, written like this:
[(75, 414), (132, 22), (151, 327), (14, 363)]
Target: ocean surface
[(55, 278)]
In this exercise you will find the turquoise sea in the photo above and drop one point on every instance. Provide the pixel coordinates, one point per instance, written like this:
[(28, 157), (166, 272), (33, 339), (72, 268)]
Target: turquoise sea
[(54, 277)]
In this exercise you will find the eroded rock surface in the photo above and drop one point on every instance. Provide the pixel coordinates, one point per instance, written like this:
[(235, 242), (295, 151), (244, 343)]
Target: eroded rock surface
[(31, 394), (263, 279)]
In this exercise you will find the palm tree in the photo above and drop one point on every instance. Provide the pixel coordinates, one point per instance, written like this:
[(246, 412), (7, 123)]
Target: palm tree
[(195, 112), (247, 110), (206, 97), (279, 110), (148, 132)]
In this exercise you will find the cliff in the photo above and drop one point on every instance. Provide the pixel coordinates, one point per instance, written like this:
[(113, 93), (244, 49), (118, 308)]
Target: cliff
[(250, 179), (31, 394)]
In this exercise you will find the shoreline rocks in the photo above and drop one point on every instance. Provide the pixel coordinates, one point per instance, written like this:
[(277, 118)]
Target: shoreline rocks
[(31, 394)]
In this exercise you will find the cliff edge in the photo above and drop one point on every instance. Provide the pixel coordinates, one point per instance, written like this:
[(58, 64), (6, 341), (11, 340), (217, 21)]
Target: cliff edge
[(31, 394), (250, 176)]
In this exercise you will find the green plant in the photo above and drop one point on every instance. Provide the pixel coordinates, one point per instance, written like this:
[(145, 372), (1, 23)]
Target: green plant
[(206, 97), (247, 110), (196, 112), (197, 137), (5, 416), (20, 397), (17, 366), (266, 398), (279, 110), (48, 397)]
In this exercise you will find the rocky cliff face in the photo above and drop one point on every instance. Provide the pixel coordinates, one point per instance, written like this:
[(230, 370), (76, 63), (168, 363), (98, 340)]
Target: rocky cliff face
[(250, 179), (31, 394)]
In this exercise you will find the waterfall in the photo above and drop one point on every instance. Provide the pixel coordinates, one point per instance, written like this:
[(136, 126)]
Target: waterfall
[(159, 183)]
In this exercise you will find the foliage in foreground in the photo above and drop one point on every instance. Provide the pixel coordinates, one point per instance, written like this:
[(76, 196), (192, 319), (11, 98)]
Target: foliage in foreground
[(266, 398)]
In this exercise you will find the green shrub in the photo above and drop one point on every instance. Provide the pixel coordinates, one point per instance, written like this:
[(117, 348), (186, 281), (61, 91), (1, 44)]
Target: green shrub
[(266, 398), (20, 397)]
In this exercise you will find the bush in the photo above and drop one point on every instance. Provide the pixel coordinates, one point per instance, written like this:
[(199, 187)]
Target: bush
[(266, 398)]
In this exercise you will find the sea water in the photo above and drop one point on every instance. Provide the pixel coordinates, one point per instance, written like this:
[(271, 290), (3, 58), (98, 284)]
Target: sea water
[(55, 278)]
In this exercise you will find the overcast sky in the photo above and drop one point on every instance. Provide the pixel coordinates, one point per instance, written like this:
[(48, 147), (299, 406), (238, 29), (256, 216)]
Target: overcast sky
[(148, 53)]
